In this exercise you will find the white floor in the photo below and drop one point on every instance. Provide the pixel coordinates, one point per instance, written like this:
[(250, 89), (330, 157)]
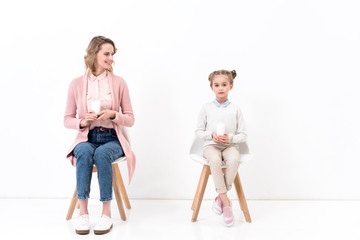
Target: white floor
[(170, 219)]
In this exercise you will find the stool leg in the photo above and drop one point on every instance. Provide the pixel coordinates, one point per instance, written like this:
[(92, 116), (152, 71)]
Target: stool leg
[(203, 184), (117, 193), (241, 198), (72, 206), (196, 197), (122, 187)]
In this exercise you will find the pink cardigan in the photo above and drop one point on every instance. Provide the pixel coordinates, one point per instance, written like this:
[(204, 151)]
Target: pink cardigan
[(77, 102)]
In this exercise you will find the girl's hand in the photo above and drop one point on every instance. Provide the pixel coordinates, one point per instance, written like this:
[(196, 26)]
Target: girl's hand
[(215, 138), (89, 118), (106, 114), (224, 139)]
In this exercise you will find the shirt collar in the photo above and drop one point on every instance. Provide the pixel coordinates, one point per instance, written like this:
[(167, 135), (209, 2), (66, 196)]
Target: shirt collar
[(225, 104), (100, 77)]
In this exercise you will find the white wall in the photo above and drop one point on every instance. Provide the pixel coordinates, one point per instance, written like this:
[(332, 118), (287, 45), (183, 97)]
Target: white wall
[(298, 82)]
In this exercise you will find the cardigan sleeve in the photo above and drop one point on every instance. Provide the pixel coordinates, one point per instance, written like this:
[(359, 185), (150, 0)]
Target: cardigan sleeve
[(70, 119), (240, 134), (126, 116), (201, 131)]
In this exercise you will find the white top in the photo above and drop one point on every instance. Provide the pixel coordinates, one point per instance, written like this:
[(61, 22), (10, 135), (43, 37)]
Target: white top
[(99, 98), (230, 115), (212, 114)]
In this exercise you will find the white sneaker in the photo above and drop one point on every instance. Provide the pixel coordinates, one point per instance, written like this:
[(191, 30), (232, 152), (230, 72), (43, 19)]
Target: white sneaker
[(82, 225), (103, 226)]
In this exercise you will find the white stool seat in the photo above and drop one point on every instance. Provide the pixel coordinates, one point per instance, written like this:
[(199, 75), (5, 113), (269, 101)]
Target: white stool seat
[(120, 159)]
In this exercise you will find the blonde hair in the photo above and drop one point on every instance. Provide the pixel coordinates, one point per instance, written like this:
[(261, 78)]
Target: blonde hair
[(93, 48), (230, 74)]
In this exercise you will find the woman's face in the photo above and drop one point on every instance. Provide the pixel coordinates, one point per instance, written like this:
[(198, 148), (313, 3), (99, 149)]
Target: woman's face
[(104, 58)]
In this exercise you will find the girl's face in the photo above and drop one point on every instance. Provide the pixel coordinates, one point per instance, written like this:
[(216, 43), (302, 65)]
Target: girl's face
[(221, 87), (104, 58)]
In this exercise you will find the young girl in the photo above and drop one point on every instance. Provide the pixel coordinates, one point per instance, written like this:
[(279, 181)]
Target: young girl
[(98, 103), (221, 126)]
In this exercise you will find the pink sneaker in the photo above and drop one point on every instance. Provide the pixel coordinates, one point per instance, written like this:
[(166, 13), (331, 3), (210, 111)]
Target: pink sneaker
[(228, 216), (217, 206)]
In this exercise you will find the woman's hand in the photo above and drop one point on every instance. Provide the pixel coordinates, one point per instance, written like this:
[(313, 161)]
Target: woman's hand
[(106, 114), (223, 139), (89, 118)]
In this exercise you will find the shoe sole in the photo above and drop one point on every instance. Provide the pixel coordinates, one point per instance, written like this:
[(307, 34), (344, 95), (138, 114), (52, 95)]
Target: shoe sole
[(82, 232), (100, 232), (228, 224)]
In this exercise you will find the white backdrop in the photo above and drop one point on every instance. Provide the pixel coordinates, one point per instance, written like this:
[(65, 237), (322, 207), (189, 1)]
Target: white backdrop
[(298, 83)]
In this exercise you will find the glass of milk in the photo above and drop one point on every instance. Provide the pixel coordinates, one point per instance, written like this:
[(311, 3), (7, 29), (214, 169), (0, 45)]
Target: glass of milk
[(220, 129), (95, 105)]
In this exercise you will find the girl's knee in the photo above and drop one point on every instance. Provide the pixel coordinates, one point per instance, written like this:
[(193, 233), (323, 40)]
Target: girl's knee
[(233, 160), (214, 160)]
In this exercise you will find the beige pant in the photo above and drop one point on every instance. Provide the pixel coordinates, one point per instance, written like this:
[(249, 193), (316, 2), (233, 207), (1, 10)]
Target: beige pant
[(231, 156)]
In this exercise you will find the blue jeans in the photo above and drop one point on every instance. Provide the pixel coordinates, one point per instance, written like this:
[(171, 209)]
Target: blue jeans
[(101, 149)]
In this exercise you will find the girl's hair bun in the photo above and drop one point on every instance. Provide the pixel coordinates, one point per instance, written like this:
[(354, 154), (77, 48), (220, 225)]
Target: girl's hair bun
[(233, 73)]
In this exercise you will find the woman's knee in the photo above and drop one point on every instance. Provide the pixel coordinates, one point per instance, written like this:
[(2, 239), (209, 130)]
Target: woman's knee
[(101, 157), (108, 153), (83, 150)]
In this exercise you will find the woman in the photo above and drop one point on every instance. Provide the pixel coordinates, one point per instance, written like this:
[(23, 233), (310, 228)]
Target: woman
[(96, 98)]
